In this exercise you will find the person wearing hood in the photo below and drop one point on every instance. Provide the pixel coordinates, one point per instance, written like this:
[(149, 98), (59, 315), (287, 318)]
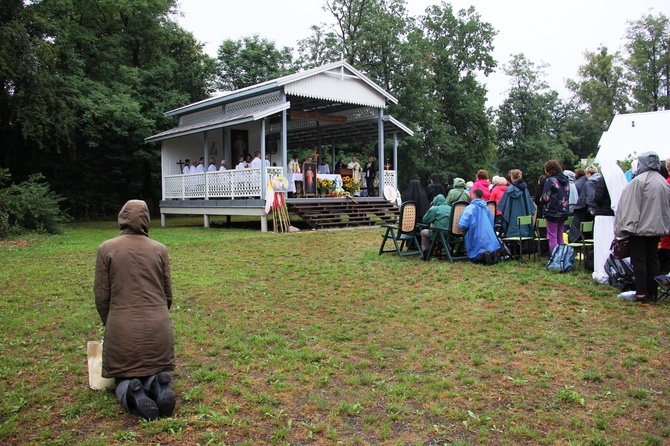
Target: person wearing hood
[(435, 187), (483, 184), (133, 293), (450, 181), (572, 201), (416, 193), (476, 220), (556, 194), (644, 216), (584, 209), (458, 192), (516, 202), (438, 216)]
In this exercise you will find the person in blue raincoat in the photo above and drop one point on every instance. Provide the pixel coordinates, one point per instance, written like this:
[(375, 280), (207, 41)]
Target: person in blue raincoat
[(516, 202), (476, 220)]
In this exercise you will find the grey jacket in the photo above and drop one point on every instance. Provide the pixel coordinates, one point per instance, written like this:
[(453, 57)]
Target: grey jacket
[(644, 207)]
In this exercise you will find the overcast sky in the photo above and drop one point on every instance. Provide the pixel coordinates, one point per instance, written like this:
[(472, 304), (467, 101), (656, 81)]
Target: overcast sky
[(556, 33)]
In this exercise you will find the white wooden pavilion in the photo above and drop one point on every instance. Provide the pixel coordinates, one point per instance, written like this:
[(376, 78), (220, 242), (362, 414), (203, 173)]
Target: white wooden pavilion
[(328, 105)]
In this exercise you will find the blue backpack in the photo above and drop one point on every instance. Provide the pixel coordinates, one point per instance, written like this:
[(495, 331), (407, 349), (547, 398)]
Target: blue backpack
[(562, 259)]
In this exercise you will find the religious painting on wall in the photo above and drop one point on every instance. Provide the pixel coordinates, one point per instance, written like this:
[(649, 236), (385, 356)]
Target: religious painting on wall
[(309, 178), (239, 144)]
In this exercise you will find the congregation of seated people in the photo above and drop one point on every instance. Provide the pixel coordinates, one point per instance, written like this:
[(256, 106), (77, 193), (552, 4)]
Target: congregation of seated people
[(634, 203)]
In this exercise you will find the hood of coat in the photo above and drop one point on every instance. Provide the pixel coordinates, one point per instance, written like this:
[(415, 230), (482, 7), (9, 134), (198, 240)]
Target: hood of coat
[(134, 218), (595, 177), (648, 161), (562, 179), (570, 174), (518, 189), (435, 178), (439, 200), (479, 202), (459, 183)]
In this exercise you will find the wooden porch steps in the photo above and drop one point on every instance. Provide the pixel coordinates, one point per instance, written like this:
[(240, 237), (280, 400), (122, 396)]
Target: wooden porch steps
[(321, 213)]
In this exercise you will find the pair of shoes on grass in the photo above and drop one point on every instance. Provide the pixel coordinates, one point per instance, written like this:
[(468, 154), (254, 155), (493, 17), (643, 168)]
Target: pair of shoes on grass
[(491, 258), (158, 401), (644, 299)]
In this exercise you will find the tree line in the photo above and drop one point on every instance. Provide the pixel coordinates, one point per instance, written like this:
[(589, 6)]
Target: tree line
[(84, 82)]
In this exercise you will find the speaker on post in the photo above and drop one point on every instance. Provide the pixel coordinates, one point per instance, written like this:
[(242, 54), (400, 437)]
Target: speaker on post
[(272, 143)]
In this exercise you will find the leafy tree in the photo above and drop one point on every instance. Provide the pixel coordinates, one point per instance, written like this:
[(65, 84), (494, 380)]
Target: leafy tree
[(84, 83), (250, 61), (320, 48), (530, 121), (601, 87), (460, 46), (648, 60)]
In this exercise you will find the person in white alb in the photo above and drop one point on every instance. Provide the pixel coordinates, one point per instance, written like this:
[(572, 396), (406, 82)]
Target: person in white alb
[(224, 165), (241, 164), (256, 162), (212, 165), (187, 167), (200, 168), (194, 167), (355, 168), (294, 165)]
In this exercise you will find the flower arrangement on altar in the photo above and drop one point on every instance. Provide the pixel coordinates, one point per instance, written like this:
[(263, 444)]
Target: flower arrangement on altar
[(350, 185), (325, 186)]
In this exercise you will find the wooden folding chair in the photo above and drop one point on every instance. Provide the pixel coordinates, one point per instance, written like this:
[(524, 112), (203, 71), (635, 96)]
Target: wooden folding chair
[(455, 238), (403, 235)]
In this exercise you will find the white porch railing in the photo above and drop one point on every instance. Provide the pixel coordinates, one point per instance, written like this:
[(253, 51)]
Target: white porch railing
[(235, 183), (390, 179)]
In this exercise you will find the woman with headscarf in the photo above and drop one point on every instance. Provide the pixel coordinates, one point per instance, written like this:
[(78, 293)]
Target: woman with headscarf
[(417, 194), (435, 187)]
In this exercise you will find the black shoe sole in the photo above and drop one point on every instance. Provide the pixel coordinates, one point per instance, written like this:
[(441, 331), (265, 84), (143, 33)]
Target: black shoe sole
[(162, 394), (138, 401)]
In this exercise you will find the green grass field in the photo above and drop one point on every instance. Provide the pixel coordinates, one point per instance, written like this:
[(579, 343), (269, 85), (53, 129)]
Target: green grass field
[(312, 338)]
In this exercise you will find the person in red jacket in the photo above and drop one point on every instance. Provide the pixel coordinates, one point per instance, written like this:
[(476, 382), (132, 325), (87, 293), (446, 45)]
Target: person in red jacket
[(482, 184), (499, 190)]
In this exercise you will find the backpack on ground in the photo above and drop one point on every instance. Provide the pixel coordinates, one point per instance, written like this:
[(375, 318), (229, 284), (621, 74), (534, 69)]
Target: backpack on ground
[(562, 259), (620, 273)]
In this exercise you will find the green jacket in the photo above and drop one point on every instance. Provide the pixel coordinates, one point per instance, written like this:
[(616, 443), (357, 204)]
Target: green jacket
[(458, 193), (439, 214)]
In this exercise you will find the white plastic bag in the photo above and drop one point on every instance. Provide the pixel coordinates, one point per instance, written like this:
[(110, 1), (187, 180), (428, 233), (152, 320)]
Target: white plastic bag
[(95, 379)]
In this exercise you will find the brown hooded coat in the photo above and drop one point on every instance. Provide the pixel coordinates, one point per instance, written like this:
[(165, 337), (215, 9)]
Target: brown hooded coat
[(133, 293)]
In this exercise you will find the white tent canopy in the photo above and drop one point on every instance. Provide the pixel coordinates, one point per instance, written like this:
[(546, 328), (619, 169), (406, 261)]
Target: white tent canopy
[(634, 133)]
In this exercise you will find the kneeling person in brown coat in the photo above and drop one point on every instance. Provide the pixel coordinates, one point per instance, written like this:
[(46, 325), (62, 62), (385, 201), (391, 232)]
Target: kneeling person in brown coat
[(133, 293)]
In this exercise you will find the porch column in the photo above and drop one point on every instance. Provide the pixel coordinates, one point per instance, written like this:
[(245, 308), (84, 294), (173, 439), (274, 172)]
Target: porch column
[(380, 159), (395, 159), (263, 183), (284, 139)]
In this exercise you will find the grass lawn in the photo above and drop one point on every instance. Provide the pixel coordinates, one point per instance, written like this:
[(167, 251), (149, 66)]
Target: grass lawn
[(313, 338)]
